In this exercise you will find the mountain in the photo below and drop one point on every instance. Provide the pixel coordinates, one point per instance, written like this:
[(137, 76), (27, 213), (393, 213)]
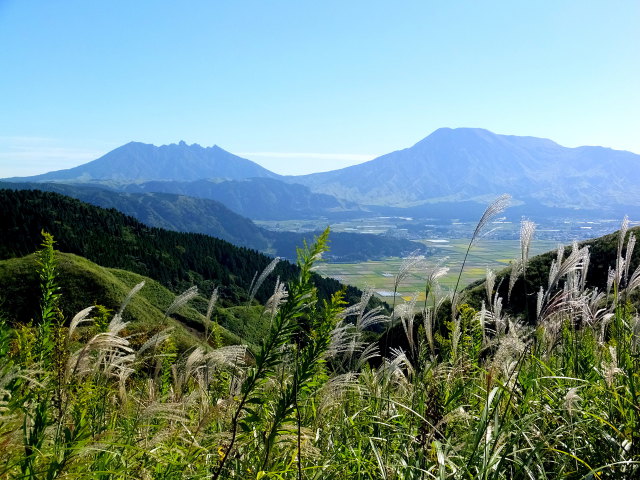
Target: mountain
[(138, 162), (454, 165), (197, 215), (112, 239)]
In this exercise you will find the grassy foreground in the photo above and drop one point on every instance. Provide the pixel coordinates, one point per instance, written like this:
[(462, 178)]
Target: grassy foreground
[(553, 395)]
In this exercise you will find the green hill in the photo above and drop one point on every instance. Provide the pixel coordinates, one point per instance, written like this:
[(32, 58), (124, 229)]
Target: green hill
[(83, 283)]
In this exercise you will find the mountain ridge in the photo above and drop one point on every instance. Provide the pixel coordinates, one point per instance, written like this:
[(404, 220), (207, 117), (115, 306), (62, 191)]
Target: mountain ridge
[(449, 165)]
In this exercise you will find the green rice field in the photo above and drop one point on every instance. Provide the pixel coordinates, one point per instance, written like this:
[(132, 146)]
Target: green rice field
[(380, 275)]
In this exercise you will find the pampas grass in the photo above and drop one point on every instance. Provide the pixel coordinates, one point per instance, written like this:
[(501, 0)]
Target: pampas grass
[(482, 395)]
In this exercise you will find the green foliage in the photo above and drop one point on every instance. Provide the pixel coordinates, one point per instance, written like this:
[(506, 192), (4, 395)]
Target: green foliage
[(112, 239), (495, 400), (102, 316)]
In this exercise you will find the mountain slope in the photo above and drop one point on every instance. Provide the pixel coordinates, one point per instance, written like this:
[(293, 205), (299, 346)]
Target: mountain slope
[(256, 198), (137, 162), (197, 215), (112, 239), (467, 164), (602, 250)]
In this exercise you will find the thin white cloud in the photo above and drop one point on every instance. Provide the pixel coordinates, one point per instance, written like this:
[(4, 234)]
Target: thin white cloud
[(25, 156), (355, 157), (302, 163)]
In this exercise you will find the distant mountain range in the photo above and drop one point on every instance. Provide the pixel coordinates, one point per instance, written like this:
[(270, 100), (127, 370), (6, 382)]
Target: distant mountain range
[(454, 167)]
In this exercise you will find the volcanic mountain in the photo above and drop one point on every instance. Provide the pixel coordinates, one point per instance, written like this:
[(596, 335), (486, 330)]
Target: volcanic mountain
[(138, 162), (453, 165)]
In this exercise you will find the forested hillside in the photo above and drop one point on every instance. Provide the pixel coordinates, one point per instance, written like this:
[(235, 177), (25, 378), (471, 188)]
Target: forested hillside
[(112, 239), (184, 213)]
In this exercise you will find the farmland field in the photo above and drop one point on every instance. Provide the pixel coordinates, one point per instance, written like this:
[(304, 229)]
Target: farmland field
[(380, 275)]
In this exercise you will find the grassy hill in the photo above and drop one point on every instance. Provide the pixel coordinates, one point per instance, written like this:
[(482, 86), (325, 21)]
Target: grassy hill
[(84, 283)]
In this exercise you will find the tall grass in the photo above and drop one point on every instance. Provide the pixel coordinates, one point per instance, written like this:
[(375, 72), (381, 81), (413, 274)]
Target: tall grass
[(481, 395)]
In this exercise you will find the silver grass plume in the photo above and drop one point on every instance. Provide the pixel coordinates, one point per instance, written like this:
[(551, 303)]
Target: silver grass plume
[(433, 274), (406, 312), (539, 300), (591, 307), (583, 272), (231, 357), (279, 296), (622, 234), (634, 281), (370, 352), (207, 318), (331, 393), (116, 325), (455, 339), (129, 296), (408, 264), (429, 320), (107, 348), (181, 300), (489, 285), (364, 318), (611, 275), (527, 229), (560, 268), (517, 267), (631, 243), (604, 323), (212, 301), (511, 346), (497, 307), (571, 400), (79, 318), (398, 369), (254, 287), (495, 208), (428, 329), (155, 340), (635, 334), (481, 318), (610, 367)]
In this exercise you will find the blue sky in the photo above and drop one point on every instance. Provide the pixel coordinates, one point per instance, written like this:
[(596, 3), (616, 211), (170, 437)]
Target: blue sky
[(306, 86)]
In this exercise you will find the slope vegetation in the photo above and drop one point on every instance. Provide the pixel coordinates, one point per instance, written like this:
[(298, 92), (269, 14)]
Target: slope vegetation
[(199, 215), (112, 239)]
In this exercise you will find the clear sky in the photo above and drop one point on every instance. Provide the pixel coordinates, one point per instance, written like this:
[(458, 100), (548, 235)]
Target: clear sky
[(302, 86)]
